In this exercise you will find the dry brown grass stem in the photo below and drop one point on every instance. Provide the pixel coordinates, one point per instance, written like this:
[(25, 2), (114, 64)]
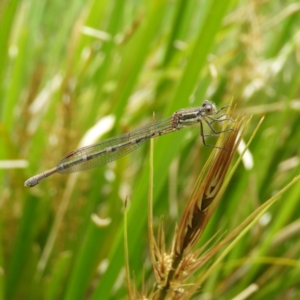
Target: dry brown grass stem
[(174, 268)]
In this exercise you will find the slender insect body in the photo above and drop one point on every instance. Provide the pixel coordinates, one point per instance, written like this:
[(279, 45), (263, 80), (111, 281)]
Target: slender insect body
[(111, 149)]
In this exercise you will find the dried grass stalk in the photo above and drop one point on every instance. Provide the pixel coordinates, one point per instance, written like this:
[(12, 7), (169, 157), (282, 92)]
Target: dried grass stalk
[(174, 268)]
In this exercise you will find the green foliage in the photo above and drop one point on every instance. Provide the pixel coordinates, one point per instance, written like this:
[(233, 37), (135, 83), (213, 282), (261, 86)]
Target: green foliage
[(66, 65)]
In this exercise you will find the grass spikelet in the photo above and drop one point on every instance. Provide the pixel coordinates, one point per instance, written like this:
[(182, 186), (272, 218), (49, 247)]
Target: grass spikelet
[(181, 262)]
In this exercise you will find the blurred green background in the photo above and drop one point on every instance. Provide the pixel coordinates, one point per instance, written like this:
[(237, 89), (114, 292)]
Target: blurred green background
[(74, 72)]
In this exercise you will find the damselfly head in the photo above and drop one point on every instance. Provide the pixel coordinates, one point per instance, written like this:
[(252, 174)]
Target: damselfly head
[(209, 107)]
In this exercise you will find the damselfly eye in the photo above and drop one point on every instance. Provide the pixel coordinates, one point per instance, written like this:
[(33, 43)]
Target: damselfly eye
[(205, 102), (208, 108)]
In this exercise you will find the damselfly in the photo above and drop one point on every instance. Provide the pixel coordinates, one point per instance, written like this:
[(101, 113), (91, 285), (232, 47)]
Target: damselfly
[(114, 148)]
